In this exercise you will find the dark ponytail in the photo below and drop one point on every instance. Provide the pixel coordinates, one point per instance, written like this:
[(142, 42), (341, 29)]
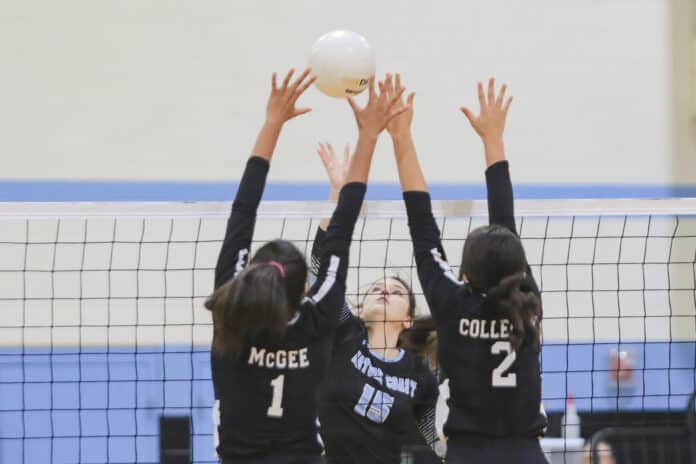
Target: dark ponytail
[(495, 263), (260, 300), (509, 299), (421, 338)]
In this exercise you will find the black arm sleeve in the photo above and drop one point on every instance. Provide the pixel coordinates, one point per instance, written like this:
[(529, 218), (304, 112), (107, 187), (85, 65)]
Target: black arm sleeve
[(439, 283), (422, 441), (501, 209), (317, 247), (240, 226), (425, 407), (328, 293)]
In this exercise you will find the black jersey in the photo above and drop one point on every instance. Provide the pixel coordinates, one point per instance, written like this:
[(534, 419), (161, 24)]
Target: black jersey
[(370, 408), (494, 391), (267, 398)]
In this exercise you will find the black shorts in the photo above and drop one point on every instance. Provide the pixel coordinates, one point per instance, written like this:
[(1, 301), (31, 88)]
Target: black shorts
[(278, 459), (481, 450)]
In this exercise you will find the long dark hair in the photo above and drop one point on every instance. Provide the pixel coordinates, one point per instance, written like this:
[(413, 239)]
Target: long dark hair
[(421, 338), (495, 265), (261, 299)]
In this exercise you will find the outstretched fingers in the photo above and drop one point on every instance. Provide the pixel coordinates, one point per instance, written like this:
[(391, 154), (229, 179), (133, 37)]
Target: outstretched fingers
[(395, 98), (501, 96), (346, 152), (467, 112), (490, 121), (286, 81), (330, 150), (394, 112), (301, 77), (301, 111), (323, 155), (507, 104), (354, 106), (481, 96), (302, 88), (281, 104), (371, 89), (300, 80), (388, 91)]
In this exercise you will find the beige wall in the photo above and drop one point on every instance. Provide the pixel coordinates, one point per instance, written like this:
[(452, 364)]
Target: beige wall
[(175, 89), (684, 85)]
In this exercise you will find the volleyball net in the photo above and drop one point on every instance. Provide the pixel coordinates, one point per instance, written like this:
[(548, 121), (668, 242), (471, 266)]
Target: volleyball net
[(103, 330)]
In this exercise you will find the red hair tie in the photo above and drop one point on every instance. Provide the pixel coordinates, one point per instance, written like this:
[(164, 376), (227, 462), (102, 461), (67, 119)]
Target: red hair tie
[(278, 266)]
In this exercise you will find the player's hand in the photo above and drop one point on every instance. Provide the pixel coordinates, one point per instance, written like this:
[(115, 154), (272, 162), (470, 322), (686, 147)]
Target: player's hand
[(380, 109), (401, 124), (336, 166), (281, 104), (490, 123)]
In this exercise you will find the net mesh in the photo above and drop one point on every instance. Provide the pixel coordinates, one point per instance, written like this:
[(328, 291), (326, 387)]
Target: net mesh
[(102, 326)]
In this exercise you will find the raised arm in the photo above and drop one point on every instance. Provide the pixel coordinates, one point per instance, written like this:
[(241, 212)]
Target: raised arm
[(328, 291), (490, 125), (336, 169), (240, 226), (410, 173), (436, 277)]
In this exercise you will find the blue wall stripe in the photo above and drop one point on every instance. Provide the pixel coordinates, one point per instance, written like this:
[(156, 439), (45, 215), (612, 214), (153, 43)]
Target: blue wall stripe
[(59, 190), (98, 400)]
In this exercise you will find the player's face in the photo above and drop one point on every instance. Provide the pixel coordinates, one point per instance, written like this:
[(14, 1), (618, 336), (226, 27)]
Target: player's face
[(387, 300)]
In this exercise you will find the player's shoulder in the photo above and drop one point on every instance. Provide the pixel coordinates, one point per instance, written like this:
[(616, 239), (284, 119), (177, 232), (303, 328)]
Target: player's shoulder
[(308, 318), (466, 293), (411, 358), (310, 322), (352, 324), (419, 369), (350, 333), (415, 363), (465, 300)]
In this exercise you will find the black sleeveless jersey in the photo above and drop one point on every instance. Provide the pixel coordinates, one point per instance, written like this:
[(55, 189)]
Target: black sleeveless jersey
[(494, 391), (371, 408), (267, 398)]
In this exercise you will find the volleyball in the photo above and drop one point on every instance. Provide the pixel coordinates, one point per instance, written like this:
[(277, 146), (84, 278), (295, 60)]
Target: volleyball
[(343, 62)]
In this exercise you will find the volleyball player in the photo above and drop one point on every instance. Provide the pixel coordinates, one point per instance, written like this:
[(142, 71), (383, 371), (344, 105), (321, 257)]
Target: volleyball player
[(378, 398), (489, 325), (271, 344)]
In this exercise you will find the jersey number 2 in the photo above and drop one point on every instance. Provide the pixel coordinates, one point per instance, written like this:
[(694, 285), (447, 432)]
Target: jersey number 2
[(501, 378), (276, 409)]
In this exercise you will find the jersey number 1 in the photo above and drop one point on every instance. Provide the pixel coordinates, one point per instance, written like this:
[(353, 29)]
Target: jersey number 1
[(276, 409), (501, 378)]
